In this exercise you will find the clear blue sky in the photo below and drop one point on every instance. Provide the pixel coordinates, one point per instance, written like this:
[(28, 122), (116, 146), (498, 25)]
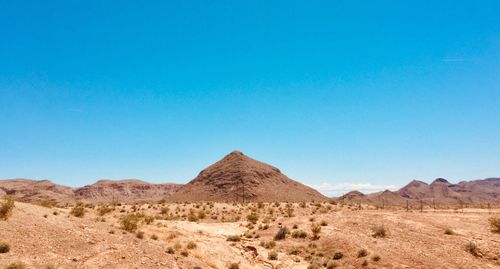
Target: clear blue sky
[(328, 91)]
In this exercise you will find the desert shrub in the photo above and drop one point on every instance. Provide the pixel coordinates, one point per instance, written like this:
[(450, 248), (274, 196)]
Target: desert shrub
[(364, 263), (78, 211), (164, 210), (449, 231), (184, 253), (50, 266), (379, 230), (233, 238), (170, 250), (234, 266), (281, 234), (272, 255), (139, 234), (472, 248), (45, 203), (253, 217), (330, 264), (16, 265), (338, 255), (202, 214), (149, 219), (289, 210), (191, 245), (323, 223), (177, 246), (4, 247), (103, 210), (376, 257), (315, 229), (154, 237), (267, 244), (192, 216), (6, 208), (362, 253), (129, 222), (495, 224), (299, 234)]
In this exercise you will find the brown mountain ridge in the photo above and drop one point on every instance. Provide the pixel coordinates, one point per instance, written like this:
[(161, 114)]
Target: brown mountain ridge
[(440, 191), (240, 178)]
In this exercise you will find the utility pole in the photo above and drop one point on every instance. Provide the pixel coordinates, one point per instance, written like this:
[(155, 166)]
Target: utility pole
[(407, 209), (421, 206)]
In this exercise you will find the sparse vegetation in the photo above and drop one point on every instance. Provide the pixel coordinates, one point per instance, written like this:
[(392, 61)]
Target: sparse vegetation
[(267, 244), (16, 265), (379, 231), (495, 224), (6, 208), (253, 217), (104, 209), (191, 245), (139, 234), (362, 253), (129, 222), (272, 255), (4, 247), (315, 229), (234, 266), (78, 211), (338, 255), (233, 238), (472, 248), (449, 231), (281, 234)]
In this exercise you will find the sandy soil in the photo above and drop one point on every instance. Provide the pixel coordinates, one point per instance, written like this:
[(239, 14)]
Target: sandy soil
[(39, 237)]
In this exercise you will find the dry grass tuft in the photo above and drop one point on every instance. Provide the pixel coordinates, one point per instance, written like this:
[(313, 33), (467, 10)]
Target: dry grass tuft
[(6, 208), (495, 224), (379, 231), (4, 247)]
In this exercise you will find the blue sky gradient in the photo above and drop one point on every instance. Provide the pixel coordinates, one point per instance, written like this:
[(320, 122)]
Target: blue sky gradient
[(332, 92)]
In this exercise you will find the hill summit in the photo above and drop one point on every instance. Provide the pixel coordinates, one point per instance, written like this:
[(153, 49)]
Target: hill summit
[(240, 178)]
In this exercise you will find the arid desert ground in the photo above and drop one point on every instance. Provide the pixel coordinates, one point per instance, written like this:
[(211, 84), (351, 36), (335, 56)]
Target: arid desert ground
[(249, 235)]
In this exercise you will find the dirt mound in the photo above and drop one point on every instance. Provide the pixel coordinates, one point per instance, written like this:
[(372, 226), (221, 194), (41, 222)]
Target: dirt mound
[(239, 178)]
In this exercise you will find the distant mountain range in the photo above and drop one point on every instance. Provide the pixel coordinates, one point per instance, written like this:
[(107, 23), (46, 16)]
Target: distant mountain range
[(440, 191), (128, 190), (238, 178)]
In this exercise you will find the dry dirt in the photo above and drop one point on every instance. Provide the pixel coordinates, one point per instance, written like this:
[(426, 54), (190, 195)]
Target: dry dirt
[(39, 237)]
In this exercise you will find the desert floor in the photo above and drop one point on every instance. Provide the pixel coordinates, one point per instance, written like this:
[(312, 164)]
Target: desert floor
[(221, 235)]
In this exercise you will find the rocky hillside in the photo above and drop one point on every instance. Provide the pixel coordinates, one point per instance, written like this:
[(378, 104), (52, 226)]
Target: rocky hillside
[(125, 190), (440, 191), (238, 178), (29, 190)]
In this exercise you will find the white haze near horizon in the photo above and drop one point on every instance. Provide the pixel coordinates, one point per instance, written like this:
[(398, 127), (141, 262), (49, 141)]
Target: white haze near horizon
[(338, 189)]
